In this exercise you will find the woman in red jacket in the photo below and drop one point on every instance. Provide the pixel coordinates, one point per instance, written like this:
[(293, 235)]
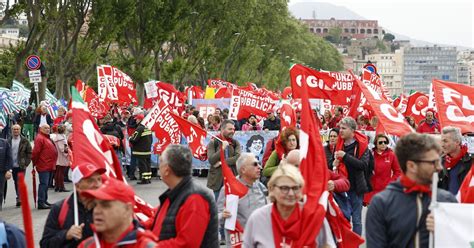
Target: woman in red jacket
[(386, 168)]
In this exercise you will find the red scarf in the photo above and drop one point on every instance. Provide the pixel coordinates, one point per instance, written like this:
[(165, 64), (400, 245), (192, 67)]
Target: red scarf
[(410, 186), (220, 136), (358, 152), (451, 162), (286, 230)]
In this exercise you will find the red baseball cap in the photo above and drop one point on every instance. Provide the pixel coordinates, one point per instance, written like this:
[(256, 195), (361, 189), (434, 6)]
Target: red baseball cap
[(139, 117), (112, 190), (84, 171)]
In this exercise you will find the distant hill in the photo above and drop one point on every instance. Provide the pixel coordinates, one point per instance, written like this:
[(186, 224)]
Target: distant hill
[(323, 11), (307, 10)]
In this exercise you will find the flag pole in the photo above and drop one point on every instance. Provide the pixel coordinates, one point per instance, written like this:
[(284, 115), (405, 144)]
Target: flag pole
[(76, 212), (434, 203)]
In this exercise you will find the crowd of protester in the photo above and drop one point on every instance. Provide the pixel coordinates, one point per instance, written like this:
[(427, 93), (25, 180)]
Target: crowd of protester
[(190, 215)]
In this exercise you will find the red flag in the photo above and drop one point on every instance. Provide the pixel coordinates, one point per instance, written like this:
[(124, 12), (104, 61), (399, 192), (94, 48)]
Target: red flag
[(91, 147), (81, 87), (455, 103), (232, 186), (166, 129), (98, 108), (26, 211), (355, 102), (195, 136), (244, 103), (287, 116), (340, 227), (315, 173), (115, 85), (334, 86), (417, 105), (169, 94), (217, 83), (466, 191), (393, 122), (196, 92)]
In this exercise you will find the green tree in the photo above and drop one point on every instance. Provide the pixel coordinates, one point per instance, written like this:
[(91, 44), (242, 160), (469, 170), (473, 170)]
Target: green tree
[(389, 37)]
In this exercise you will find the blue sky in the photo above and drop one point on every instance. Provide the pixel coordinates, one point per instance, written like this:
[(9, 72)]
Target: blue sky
[(438, 21)]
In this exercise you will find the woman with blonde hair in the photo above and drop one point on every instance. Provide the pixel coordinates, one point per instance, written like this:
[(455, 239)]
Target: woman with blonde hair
[(279, 224)]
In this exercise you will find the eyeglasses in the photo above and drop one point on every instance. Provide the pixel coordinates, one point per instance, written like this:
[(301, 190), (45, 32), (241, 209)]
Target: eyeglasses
[(286, 189), (256, 163), (383, 142), (432, 162)]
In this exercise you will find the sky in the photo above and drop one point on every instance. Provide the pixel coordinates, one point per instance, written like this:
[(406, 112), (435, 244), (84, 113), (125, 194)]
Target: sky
[(447, 22)]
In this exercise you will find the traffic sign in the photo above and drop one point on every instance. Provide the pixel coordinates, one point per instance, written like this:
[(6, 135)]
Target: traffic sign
[(36, 87), (34, 73), (33, 62), (35, 79)]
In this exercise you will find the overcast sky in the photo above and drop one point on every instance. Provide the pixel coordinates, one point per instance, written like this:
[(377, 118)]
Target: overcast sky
[(437, 21)]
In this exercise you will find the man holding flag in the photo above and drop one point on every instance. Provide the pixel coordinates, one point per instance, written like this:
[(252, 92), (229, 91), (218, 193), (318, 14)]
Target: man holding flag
[(399, 215), (60, 230), (187, 216), (231, 149), (249, 169)]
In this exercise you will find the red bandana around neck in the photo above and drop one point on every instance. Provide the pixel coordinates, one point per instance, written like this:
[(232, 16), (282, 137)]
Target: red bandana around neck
[(286, 232), (363, 144), (452, 161), (220, 136), (410, 186)]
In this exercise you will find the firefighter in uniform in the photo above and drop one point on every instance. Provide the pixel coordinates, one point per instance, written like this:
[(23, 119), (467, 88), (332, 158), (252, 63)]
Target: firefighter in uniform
[(141, 149)]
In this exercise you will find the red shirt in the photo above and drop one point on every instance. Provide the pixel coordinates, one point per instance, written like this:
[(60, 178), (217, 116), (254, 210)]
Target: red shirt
[(427, 128), (191, 222)]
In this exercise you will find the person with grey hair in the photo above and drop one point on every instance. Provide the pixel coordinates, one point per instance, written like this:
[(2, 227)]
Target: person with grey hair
[(457, 161), (249, 169), (187, 214), (353, 156), (21, 154)]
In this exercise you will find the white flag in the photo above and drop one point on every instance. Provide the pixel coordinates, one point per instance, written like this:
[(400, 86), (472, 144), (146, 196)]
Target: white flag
[(454, 225)]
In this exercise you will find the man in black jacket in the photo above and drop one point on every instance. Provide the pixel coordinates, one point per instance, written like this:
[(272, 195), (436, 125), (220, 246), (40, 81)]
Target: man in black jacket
[(21, 155), (187, 216), (141, 141), (6, 163), (399, 215), (355, 155), (60, 230)]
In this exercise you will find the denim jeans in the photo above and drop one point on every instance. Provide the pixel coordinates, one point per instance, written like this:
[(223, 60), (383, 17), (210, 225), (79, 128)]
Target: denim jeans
[(356, 203), (43, 187)]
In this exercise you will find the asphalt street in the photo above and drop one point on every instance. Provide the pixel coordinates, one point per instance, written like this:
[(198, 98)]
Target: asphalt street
[(12, 214)]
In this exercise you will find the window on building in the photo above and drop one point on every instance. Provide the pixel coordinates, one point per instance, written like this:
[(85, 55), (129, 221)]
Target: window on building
[(353, 31), (318, 30), (311, 30), (346, 30), (325, 30), (362, 31), (369, 31)]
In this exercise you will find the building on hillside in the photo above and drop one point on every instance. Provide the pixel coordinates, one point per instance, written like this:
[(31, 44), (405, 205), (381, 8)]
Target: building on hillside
[(6, 41), (358, 29), (390, 68), (422, 64)]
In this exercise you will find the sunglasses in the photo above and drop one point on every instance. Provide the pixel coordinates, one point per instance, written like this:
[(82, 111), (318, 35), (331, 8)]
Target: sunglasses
[(383, 142)]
